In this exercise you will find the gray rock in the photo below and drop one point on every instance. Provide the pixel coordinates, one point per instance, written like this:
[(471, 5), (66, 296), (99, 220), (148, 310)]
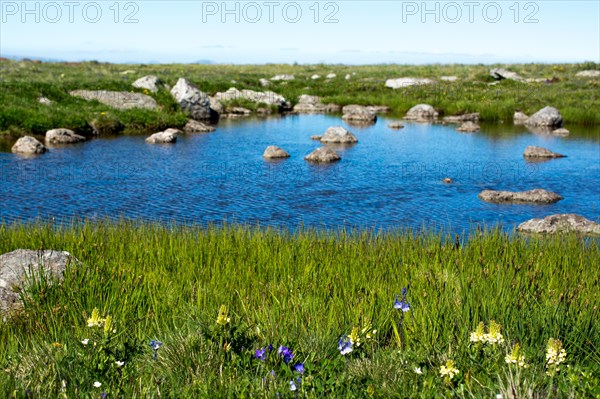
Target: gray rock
[(191, 100), (283, 77), (315, 77), (396, 125), (262, 111), (193, 126), (236, 112), (472, 117), (331, 75), (536, 196), (150, 82), (44, 100), (28, 146), (536, 80), (266, 97), (501, 73), (421, 113), (546, 117), (561, 132), (588, 74), (449, 78), (274, 152), (447, 180), (316, 137), (117, 99), (519, 118), (468, 127), (265, 82), (348, 76), (21, 266), (322, 155), (378, 109), (540, 152), (168, 136), (406, 82), (358, 113), (561, 223), (338, 134), (62, 136)]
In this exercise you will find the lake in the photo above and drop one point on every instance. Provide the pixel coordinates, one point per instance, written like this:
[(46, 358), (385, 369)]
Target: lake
[(389, 179)]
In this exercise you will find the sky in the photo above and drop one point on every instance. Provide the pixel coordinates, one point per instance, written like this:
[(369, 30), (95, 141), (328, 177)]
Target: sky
[(269, 31)]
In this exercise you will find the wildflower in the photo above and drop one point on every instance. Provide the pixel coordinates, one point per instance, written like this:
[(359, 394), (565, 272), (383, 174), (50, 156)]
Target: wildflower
[(103, 395), (261, 354), (222, 318), (479, 334), (292, 386), (97, 384), (155, 344), (85, 341), (418, 370), (494, 336), (402, 304), (299, 368), (345, 345), (515, 357), (555, 355), (270, 347), (355, 337), (119, 364), (56, 345), (95, 320), (286, 353), (448, 370), (108, 324)]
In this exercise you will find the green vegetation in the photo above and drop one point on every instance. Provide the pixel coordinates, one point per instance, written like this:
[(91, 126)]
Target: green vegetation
[(303, 291), (23, 82)]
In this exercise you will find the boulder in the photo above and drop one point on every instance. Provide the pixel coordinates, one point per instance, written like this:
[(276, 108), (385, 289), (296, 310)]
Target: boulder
[(338, 134), (421, 113), (447, 180), (265, 82), (150, 82), (519, 118), (117, 99), (396, 125), (44, 100), (28, 146), (274, 152), (191, 100), (168, 136), (449, 78), (358, 113), (561, 223), (406, 82), (536, 196), (468, 127), (236, 112), (62, 136), (316, 137), (283, 77), (547, 117), (561, 132), (331, 75), (22, 265), (322, 155), (501, 73), (266, 97), (313, 105), (315, 77), (193, 126), (540, 152), (588, 74), (472, 117), (378, 109)]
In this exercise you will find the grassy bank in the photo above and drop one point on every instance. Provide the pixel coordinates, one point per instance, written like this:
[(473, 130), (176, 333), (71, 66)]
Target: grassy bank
[(22, 82), (303, 291)]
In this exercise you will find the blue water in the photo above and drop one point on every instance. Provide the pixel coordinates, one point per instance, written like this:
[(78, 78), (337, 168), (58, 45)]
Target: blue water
[(389, 179)]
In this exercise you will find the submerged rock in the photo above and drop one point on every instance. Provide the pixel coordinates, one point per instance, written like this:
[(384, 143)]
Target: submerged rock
[(63, 136), (472, 117), (536, 196), (193, 126), (560, 223), (168, 136), (28, 146), (396, 125), (468, 127), (338, 134), (322, 155), (358, 113), (421, 113), (519, 118), (274, 152), (533, 151), (561, 132)]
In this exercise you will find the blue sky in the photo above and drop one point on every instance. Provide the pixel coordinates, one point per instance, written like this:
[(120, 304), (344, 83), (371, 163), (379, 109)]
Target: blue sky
[(351, 32)]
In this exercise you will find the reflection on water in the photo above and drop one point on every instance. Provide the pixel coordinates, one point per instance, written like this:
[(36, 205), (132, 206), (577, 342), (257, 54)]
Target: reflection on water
[(391, 178)]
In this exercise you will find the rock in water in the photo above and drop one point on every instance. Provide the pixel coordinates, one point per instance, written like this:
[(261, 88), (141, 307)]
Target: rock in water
[(548, 117), (322, 155), (338, 134), (561, 223), (193, 126), (62, 136), (358, 113), (421, 113), (274, 152), (533, 151), (468, 127), (191, 100), (28, 146), (19, 266), (168, 136), (396, 125), (519, 118), (536, 196)]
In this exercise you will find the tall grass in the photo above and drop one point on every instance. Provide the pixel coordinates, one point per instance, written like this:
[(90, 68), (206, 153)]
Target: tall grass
[(303, 290)]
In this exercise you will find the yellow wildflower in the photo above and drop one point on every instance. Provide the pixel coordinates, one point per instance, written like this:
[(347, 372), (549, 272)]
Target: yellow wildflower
[(222, 318), (555, 355), (494, 336), (479, 334), (449, 370), (355, 337), (516, 357), (95, 320)]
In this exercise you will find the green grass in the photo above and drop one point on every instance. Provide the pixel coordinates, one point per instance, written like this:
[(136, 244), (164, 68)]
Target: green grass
[(22, 82), (302, 290)]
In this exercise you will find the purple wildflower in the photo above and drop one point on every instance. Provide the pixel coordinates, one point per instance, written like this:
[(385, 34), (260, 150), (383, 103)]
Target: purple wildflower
[(345, 345), (402, 304), (286, 353), (299, 368), (261, 354)]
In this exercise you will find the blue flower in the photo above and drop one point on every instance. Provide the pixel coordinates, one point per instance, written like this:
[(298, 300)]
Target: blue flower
[(299, 368), (155, 344), (402, 304), (261, 354), (345, 345), (270, 347), (286, 353)]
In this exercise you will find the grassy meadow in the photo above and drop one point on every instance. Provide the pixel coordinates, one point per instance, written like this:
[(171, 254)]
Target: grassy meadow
[(189, 312), (22, 82)]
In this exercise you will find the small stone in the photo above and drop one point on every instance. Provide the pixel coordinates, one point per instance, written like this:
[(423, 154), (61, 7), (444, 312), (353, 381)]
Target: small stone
[(322, 155), (396, 125), (274, 152)]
